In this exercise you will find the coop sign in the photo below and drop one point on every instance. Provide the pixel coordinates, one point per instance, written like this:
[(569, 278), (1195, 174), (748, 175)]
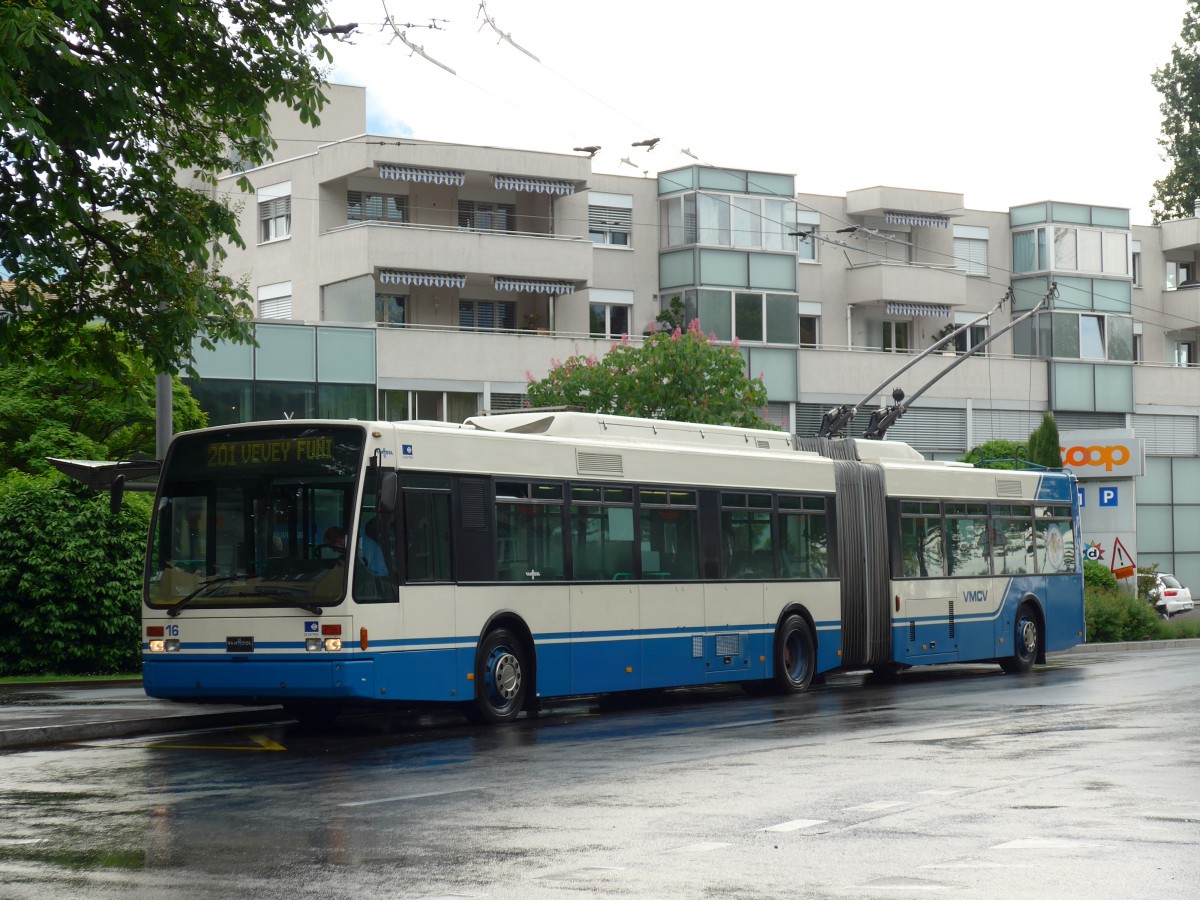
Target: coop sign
[(1107, 457)]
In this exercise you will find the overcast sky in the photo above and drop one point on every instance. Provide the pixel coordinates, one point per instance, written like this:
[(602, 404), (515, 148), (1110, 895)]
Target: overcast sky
[(1004, 101)]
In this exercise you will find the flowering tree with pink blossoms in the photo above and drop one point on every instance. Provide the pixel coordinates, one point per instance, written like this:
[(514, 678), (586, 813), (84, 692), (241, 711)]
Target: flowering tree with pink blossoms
[(685, 376)]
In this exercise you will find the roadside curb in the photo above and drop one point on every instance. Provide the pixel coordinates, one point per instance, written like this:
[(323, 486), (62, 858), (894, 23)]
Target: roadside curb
[(1132, 646), (36, 735)]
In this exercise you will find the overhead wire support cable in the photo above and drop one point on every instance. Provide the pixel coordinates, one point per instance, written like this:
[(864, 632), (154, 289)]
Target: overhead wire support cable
[(504, 36), (885, 417)]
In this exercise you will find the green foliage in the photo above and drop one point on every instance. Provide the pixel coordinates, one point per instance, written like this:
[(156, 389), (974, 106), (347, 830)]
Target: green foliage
[(672, 317), (1115, 615), (1045, 449), (117, 115), (683, 376), (997, 454), (1098, 575), (70, 577), (73, 408), (1176, 194), (1145, 581)]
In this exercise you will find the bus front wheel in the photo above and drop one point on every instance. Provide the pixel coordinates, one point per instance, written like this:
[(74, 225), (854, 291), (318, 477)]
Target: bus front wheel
[(1026, 640), (501, 678), (795, 656)]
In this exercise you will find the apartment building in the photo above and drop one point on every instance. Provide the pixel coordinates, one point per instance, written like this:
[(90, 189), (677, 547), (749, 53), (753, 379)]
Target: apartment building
[(397, 278)]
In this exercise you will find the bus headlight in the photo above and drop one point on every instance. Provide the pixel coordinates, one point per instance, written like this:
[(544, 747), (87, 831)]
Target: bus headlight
[(333, 643), (171, 645), (157, 646), (312, 644)]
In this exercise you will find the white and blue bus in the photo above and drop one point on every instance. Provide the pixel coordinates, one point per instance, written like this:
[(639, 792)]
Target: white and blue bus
[(544, 554)]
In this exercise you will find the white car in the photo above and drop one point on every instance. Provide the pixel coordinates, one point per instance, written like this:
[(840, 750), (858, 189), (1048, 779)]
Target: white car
[(1169, 596)]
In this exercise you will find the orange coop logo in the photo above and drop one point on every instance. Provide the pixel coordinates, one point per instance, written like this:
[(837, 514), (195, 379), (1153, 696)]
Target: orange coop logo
[(1096, 456)]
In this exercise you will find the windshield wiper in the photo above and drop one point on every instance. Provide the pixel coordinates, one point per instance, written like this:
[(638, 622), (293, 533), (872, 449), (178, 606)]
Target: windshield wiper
[(287, 601), (204, 585)]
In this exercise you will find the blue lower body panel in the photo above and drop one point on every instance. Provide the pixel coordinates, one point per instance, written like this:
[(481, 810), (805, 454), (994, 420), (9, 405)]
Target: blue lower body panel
[(275, 678)]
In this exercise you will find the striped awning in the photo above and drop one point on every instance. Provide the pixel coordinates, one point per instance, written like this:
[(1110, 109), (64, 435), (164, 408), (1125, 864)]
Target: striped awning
[(392, 172), (533, 185), (922, 221), (533, 286), (896, 308), (422, 279)]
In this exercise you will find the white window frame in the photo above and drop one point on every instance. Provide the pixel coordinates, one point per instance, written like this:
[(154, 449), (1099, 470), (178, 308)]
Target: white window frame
[(971, 249), (808, 309), (610, 216), (275, 300), (275, 212), (609, 299)]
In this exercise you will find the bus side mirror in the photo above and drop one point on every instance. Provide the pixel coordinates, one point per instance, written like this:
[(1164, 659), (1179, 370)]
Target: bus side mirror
[(385, 497), (115, 492)]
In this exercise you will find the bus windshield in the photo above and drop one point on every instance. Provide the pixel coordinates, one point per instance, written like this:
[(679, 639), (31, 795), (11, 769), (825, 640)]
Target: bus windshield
[(253, 517)]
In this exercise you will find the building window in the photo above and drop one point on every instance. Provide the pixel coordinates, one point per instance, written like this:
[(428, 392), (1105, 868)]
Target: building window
[(1178, 273), (487, 216), (275, 300), (810, 332), (1136, 264), (1091, 337), (609, 320), (487, 315), (367, 207), (764, 318), (390, 309), (970, 254), (610, 225), (275, 212), (971, 337), (896, 337), (890, 246), (806, 244), (1185, 353)]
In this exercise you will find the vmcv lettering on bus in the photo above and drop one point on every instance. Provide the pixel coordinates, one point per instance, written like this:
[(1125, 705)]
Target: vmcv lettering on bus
[(1114, 455), (975, 596)]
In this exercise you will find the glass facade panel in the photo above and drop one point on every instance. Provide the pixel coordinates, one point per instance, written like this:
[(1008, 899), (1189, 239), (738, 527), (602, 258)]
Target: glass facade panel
[(1154, 529), (1187, 522), (1110, 217), (1155, 485), (1073, 293), (712, 219), (670, 222), (722, 180), (226, 401), (1114, 388), (283, 400), (225, 360), (1074, 387), (285, 353), (773, 271), (676, 269), (747, 214), (346, 401), (1187, 484), (783, 325), (1089, 251), (1091, 337), (748, 316), (1027, 215), (679, 180), (768, 183), (346, 355), (1070, 212), (1116, 253), (1027, 292), (1120, 338), (1112, 296), (715, 314), (393, 406), (1024, 252), (1066, 335), (1065, 253), (727, 267)]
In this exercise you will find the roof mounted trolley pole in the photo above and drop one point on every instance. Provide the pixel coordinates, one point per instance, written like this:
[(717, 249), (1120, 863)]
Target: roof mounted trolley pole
[(885, 417), (836, 420)]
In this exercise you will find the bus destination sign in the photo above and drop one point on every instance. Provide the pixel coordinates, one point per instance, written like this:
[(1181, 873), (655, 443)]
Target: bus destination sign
[(275, 452)]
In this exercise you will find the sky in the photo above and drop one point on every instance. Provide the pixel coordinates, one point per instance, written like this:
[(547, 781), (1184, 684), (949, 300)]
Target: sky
[(1004, 101)]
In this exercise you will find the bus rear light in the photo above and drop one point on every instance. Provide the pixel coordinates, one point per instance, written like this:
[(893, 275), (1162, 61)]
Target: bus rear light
[(312, 644), (154, 631), (362, 638), (333, 643), (331, 630)]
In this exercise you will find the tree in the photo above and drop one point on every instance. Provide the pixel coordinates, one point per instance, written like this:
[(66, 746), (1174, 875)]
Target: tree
[(107, 105), (997, 454), (70, 572), (1044, 446), (1176, 195), (681, 375), (72, 407)]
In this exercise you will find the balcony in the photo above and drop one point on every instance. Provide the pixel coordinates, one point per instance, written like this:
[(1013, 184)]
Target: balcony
[(881, 282), (362, 248), (1181, 234)]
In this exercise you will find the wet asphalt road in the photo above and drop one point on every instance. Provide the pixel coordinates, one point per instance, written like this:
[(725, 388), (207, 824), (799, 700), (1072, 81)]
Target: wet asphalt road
[(1081, 780)]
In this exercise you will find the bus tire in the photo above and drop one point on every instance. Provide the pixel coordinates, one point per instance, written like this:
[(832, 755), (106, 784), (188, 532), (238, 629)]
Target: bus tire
[(501, 679), (312, 716), (1027, 637), (795, 656)]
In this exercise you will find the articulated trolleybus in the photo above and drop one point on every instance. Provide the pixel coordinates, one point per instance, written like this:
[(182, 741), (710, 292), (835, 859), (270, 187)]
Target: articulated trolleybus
[(543, 554)]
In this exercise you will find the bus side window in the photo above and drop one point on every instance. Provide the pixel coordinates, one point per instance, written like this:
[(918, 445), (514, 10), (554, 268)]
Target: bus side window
[(426, 536)]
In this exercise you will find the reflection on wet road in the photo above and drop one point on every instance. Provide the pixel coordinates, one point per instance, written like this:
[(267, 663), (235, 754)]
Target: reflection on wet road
[(1077, 781)]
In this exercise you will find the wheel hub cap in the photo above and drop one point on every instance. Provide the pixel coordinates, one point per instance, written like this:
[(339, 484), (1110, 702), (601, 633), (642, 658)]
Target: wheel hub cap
[(506, 675)]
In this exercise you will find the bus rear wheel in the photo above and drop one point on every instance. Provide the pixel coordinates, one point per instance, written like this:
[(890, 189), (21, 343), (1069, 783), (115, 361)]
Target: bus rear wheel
[(501, 679), (1026, 641), (795, 656)]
